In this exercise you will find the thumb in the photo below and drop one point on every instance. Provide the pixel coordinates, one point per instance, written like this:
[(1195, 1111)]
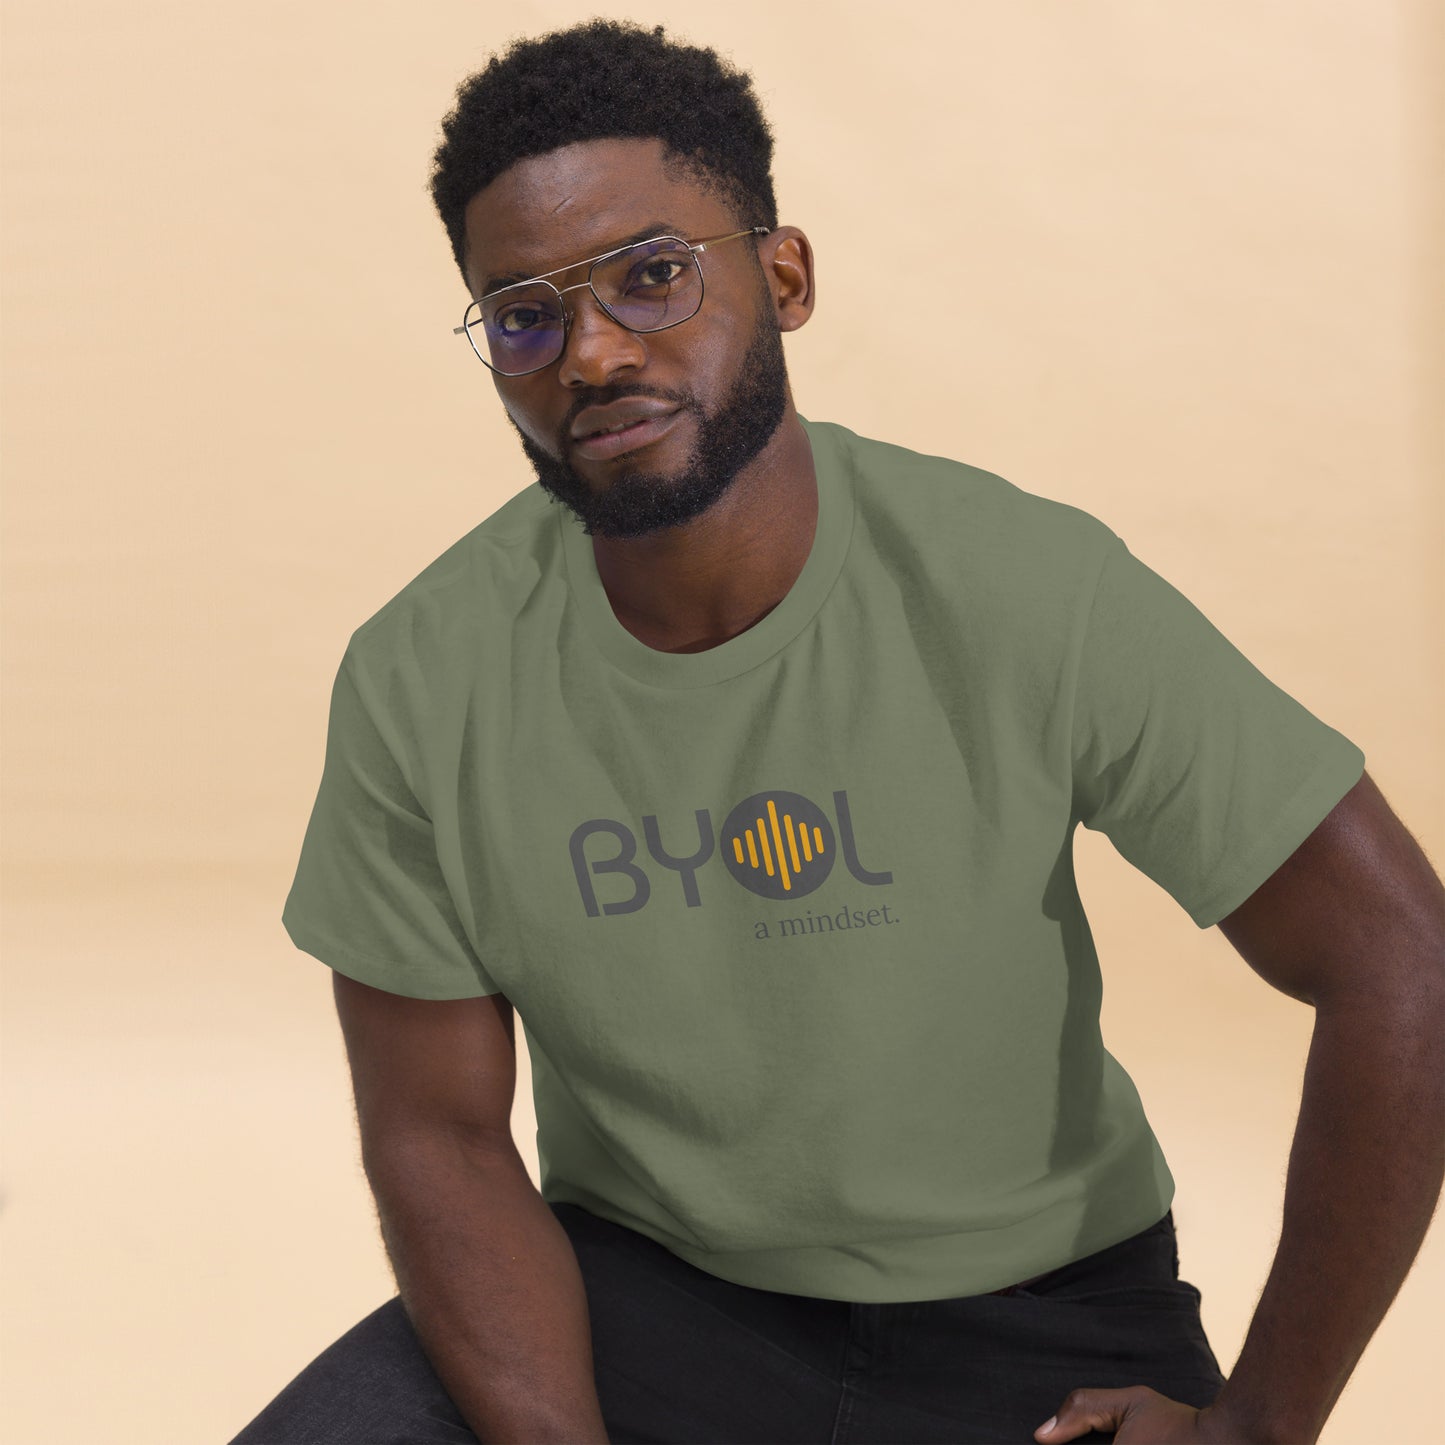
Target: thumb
[(1085, 1410)]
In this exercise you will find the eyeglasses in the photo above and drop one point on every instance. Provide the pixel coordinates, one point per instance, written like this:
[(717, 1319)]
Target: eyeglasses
[(647, 286)]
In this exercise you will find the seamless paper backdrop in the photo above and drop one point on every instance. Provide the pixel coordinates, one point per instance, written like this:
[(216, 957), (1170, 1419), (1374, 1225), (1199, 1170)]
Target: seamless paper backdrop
[(1178, 265)]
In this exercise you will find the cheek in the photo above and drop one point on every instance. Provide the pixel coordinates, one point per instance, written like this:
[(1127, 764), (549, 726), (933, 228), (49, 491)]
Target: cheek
[(514, 414), (703, 362), (515, 404), (731, 319), (731, 333)]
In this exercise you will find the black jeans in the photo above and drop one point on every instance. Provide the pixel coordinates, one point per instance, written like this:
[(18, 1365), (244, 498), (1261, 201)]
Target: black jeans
[(682, 1356)]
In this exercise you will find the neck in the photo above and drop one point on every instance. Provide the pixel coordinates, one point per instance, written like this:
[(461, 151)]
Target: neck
[(692, 587)]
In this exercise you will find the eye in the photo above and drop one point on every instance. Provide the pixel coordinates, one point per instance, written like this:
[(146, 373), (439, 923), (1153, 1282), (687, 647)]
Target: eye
[(655, 273), (515, 319)]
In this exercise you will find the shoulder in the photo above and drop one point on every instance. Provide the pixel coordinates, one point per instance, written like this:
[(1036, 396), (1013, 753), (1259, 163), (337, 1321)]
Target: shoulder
[(476, 585), (968, 523)]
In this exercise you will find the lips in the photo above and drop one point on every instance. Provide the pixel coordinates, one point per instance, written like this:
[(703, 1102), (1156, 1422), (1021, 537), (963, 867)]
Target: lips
[(641, 433), (603, 418)]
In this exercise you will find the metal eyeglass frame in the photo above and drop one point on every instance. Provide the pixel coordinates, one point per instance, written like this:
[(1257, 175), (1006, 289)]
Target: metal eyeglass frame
[(592, 263)]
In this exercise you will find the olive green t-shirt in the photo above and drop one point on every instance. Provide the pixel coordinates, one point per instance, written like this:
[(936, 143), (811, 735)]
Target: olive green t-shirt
[(791, 924)]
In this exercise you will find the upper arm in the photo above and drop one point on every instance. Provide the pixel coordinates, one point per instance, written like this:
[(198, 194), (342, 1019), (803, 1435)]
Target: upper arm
[(1356, 910), (424, 1066)]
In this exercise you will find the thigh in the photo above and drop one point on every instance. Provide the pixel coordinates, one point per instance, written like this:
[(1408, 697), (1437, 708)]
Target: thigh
[(992, 1368), (373, 1386), (681, 1356)]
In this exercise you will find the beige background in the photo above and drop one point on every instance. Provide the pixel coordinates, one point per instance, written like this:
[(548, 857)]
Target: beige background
[(1189, 280)]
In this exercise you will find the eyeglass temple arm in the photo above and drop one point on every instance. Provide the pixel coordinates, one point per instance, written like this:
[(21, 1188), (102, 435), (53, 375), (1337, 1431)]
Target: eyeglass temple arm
[(718, 240)]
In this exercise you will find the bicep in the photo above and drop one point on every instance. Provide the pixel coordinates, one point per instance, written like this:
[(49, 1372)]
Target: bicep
[(1357, 908), (423, 1067)]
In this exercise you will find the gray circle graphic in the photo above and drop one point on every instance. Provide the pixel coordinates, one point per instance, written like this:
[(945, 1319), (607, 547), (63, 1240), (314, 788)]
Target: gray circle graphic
[(778, 844)]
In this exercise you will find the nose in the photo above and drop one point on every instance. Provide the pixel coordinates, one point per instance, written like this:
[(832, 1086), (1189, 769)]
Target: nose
[(597, 346)]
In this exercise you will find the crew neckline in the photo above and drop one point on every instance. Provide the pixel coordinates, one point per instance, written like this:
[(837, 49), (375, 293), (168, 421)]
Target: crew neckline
[(832, 532)]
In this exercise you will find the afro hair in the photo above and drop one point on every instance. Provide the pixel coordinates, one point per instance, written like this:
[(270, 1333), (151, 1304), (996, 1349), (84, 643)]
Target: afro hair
[(601, 79)]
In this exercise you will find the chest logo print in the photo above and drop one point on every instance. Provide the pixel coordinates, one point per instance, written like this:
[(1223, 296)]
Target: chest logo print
[(776, 844)]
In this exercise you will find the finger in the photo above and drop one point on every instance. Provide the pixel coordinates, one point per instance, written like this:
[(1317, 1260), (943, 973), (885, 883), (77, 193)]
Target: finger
[(1085, 1410)]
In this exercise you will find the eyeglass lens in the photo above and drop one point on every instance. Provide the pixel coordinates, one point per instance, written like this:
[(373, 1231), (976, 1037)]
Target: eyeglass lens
[(647, 287)]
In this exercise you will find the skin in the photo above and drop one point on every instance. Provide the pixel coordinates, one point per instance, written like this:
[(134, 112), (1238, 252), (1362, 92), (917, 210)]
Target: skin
[(700, 535), (1352, 925), (692, 553)]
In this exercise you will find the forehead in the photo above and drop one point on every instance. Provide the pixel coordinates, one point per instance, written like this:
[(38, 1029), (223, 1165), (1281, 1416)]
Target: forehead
[(577, 201)]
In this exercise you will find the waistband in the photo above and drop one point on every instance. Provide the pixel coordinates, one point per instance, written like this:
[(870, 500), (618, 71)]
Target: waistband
[(1163, 1226)]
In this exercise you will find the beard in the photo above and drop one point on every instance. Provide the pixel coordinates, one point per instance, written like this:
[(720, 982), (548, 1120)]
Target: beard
[(635, 501)]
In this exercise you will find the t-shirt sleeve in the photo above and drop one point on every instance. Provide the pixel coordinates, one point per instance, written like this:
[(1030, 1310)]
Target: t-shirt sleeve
[(1201, 771), (369, 898)]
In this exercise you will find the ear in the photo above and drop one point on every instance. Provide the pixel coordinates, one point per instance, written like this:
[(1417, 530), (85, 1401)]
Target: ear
[(787, 258)]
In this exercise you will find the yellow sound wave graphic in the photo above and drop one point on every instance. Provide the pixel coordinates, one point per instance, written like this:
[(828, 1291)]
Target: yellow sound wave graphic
[(780, 840)]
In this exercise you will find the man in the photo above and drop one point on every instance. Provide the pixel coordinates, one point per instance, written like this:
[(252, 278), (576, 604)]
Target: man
[(747, 773)]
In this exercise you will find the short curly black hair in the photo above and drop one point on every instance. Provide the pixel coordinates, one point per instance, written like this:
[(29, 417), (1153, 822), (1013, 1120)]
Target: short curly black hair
[(599, 79)]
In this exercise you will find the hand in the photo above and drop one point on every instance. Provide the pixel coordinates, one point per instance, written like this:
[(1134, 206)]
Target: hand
[(1139, 1416)]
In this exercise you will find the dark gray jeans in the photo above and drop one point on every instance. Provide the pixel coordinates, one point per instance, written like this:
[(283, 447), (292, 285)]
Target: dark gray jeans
[(682, 1356)]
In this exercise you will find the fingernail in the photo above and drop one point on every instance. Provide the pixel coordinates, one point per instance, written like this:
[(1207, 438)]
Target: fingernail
[(1048, 1425)]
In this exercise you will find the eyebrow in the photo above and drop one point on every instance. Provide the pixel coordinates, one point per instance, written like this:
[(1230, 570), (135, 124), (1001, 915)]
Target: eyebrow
[(657, 228)]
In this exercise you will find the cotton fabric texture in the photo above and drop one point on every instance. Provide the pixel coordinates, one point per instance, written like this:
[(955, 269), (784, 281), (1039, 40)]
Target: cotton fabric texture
[(791, 924)]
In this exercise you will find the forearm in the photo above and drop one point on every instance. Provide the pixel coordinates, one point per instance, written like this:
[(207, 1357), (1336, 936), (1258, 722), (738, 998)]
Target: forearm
[(1365, 1172), (491, 1284)]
